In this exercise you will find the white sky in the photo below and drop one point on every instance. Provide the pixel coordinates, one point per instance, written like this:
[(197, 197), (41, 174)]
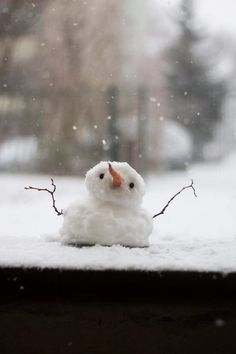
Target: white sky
[(218, 15)]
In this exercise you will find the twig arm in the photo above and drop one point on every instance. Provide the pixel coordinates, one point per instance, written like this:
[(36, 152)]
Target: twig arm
[(174, 196), (51, 193)]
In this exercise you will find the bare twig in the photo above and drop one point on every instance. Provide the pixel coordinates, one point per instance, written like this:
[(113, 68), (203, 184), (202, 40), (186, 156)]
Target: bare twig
[(168, 203), (51, 193)]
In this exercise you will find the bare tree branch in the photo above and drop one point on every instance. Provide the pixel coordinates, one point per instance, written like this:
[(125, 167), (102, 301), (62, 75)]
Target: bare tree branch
[(51, 193), (168, 203), (61, 212)]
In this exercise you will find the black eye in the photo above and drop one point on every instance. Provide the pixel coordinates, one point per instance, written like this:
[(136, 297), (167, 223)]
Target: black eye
[(131, 185), (101, 176)]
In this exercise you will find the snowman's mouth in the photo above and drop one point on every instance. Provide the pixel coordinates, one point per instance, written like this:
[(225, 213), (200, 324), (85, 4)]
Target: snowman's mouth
[(115, 175)]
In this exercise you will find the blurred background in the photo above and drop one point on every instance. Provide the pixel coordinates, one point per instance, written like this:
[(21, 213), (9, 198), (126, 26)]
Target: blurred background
[(149, 82)]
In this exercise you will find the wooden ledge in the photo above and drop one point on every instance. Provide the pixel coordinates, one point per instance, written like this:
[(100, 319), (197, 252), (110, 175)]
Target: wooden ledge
[(116, 284)]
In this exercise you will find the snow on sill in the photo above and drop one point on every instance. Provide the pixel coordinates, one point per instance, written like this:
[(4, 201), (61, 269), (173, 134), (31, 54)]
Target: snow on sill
[(196, 234), (35, 252)]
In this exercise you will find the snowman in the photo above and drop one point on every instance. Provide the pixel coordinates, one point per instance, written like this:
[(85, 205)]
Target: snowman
[(112, 213)]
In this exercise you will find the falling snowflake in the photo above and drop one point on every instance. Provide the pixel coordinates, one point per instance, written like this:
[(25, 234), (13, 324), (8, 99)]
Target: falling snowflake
[(219, 322)]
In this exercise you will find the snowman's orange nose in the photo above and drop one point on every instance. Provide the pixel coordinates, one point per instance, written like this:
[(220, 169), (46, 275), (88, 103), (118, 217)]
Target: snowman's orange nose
[(115, 175)]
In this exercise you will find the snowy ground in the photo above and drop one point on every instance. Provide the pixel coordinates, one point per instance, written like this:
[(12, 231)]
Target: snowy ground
[(194, 234)]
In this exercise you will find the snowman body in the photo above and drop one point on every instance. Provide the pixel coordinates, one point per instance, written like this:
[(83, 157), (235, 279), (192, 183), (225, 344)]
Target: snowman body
[(112, 213)]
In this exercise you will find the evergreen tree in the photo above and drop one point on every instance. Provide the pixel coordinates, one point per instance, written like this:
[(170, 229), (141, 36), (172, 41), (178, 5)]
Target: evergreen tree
[(195, 98)]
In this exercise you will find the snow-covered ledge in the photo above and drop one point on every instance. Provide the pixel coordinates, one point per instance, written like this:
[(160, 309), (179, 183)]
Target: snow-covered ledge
[(195, 234), (28, 252)]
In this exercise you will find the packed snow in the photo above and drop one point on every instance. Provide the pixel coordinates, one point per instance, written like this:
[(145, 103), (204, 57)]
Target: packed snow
[(193, 234), (112, 212)]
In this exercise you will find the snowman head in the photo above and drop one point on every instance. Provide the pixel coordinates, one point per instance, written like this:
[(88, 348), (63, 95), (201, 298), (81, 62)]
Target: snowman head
[(115, 182)]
